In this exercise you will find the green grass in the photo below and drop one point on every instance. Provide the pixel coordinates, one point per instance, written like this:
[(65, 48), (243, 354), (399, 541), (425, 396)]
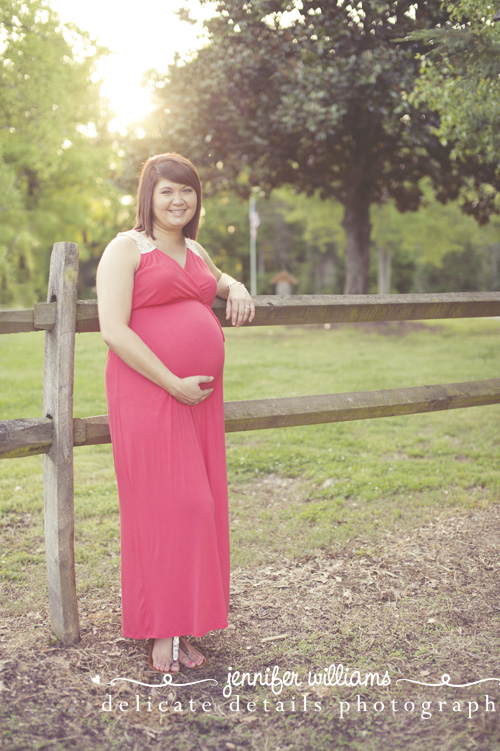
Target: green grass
[(349, 479)]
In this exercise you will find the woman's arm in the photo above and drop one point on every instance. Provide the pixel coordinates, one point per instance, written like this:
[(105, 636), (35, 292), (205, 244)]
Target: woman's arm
[(240, 307), (115, 284)]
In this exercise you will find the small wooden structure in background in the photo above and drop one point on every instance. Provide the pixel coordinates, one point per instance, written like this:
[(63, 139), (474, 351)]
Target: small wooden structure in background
[(284, 283), (57, 431)]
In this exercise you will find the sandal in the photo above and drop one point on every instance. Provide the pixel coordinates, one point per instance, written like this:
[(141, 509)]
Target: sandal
[(184, 645), (175, 655)]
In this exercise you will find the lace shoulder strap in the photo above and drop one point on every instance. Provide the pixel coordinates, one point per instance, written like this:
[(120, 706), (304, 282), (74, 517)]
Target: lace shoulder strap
[(192, 246), (144, 245)]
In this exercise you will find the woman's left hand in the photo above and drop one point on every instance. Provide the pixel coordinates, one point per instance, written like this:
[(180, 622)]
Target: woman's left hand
[(240, 307)]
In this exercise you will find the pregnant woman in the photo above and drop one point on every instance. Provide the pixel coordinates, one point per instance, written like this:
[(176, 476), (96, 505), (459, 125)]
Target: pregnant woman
[(155, 288)]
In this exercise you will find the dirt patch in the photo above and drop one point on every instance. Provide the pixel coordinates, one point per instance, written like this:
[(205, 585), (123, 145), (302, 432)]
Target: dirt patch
[(417, 607), (273, 490)]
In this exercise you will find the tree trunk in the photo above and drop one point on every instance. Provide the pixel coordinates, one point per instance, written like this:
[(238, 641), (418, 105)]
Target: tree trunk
[(357, 228)]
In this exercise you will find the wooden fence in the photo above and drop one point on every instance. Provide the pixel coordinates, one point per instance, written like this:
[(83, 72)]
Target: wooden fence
[(57, 432)]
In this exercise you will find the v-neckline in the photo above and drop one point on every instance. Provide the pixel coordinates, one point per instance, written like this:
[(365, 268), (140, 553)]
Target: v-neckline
[(173, 259)]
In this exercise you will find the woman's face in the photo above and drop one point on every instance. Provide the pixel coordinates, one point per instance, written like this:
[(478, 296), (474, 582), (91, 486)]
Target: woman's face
[(174, 205)]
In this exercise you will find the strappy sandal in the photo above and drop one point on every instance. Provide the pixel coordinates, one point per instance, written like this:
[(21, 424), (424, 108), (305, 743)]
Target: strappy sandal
[(184, 645), (175, 655)]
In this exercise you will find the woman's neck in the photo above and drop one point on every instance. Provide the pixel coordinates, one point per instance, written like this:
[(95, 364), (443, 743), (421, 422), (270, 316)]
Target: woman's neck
[(166, 239)]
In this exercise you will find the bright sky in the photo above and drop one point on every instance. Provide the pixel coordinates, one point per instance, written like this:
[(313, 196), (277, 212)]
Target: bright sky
[(141, 34)]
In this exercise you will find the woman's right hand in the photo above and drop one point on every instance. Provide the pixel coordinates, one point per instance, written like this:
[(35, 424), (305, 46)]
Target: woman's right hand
[(188, 390)]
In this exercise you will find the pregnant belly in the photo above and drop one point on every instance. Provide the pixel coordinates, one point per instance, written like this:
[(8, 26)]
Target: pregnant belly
[(185, 336)]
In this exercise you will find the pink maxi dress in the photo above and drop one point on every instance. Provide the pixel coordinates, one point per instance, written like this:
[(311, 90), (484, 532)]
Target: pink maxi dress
[(170, 458)]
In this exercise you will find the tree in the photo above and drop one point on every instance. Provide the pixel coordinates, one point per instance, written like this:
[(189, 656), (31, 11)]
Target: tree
[(315, 95), (55, 151), (460, 79), (433, 244)]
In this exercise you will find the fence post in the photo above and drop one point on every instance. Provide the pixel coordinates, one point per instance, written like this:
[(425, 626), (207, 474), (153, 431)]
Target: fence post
[(58, 375)]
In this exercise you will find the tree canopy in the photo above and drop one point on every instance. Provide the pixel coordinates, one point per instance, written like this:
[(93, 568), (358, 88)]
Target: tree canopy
[(316, 95), (55, 151), (460, 79)]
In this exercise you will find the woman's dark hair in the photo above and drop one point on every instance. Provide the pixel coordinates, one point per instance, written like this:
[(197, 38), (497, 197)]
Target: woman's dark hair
[(172, 167)]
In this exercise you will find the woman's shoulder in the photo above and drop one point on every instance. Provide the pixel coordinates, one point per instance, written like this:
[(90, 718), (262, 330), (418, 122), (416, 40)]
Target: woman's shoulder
[(138, 239), (122, 248)]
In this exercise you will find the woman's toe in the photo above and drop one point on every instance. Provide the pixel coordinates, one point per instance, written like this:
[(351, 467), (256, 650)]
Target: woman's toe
[(189, 655), (160, 664)]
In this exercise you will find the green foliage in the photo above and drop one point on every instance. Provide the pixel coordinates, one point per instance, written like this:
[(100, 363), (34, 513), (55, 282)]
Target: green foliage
[(432, 235), (460, 79), (55, 151), (295, 234), (315, 95), (437, 248)]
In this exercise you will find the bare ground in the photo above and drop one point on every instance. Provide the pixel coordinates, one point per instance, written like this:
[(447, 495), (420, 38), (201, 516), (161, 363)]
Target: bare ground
[(417, 607)]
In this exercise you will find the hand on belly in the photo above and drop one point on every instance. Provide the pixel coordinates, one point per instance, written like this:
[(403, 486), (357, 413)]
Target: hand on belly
[(193, 389)]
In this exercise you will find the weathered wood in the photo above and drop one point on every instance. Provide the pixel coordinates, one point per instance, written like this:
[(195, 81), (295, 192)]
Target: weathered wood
[(360, 405), (44, 316), (39, 318), (256, 414), (291, 310), (314, 309), (22, 437), (25, 437), (91, 430), (273, 310), (15, 321), (58, 462), (86, 316)]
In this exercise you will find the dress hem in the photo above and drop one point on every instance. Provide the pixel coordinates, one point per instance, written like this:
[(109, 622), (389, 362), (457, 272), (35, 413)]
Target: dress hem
[(193, 634)]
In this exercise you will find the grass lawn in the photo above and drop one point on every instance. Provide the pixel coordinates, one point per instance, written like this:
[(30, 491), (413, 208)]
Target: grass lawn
[(311, 508)]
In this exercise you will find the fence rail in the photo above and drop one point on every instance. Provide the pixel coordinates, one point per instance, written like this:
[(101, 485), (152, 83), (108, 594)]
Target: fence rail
[(274, 310), (28, 437), (57, 432)]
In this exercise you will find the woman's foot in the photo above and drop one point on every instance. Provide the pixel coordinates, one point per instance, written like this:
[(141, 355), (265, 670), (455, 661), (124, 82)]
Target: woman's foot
[(160, 656), (189, 656)]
